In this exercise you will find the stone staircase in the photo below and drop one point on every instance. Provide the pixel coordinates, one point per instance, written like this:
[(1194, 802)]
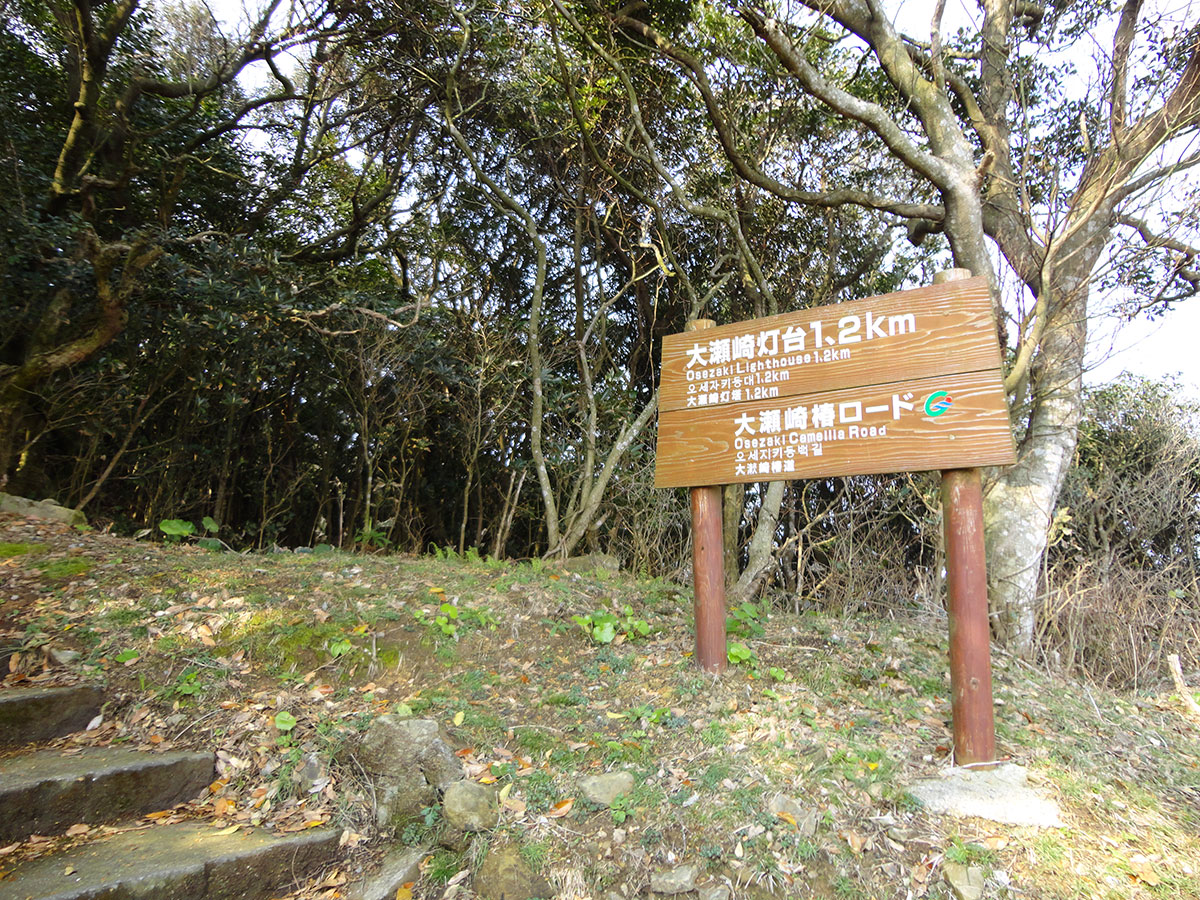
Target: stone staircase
[(45, 792)]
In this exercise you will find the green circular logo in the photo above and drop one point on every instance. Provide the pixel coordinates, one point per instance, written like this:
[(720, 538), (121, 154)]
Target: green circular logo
[(937, 403)]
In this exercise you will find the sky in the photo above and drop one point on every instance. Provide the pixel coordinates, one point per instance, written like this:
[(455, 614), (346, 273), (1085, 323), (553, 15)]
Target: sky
[(1168, 346)]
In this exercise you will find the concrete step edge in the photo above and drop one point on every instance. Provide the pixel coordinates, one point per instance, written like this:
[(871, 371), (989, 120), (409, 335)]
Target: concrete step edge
[(187, 861), (30, 715), (46, 792)]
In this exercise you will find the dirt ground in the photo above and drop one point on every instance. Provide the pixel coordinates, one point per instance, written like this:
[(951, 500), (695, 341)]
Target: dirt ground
[(540, 676)]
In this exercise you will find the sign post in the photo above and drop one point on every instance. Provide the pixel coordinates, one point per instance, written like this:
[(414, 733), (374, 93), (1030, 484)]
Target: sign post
[(967, 606), (903, 382), (708, 566)]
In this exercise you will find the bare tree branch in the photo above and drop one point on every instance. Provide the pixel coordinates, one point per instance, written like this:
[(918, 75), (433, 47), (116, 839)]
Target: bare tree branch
[(1122, 44), (699, 79), (1181, 267)]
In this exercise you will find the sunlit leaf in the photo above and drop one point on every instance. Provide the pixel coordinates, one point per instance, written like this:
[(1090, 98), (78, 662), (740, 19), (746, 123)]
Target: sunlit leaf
[(285, 721)]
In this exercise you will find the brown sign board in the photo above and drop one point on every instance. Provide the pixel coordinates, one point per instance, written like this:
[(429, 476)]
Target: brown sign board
[(909, 381)]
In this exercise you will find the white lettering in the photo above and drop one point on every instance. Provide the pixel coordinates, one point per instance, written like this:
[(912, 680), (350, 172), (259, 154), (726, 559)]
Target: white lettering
[(874, 326)]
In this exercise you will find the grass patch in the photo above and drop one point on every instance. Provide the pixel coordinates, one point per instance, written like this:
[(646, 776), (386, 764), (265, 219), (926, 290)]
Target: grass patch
[(566, 699), (65, 568), (334, 641), (8, 551)]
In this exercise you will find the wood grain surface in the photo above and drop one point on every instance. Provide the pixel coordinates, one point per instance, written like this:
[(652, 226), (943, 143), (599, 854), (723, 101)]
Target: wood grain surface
[(937, 330), (719, 444)]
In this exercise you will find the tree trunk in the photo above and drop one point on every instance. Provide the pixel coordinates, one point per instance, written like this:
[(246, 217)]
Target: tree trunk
[(1020, 505), (762, 545), (731, 515)]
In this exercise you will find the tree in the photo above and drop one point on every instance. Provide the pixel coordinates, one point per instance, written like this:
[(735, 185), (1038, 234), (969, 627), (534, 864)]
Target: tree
[(769, 258), (127, 147), (1132, 496), (984, 152), (1121, 573)]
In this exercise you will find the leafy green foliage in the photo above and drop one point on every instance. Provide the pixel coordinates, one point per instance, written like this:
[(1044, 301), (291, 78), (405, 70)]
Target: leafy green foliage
[(746, 619), (620, 809), (285, 721), (739, 654), (449, 618), (603, 626), (187, 683), (176, 529)]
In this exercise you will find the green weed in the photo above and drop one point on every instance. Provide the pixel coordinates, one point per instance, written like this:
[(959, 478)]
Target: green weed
[(7, 551), (969, 854), (746, 620), (534, 853), (65, 568), (714, 735), (739, 654), (602, 626)]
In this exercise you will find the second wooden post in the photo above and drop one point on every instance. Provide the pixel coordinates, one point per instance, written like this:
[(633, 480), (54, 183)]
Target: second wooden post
[(708, 566), (967, 607)]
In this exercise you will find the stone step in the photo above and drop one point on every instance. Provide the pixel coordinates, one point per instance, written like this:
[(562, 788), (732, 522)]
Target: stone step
[(46, 792), (28, 715), (187, 861)]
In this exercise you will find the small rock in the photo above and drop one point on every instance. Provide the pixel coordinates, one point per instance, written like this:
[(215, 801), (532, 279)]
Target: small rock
[(1001, 794), (400, 865), (806, 819), (394, 745), (410, 761), (310, 773), (679, 880), (602, 790), (399, 799), (965, 881), (63, 656), (619, 835), (43, 509), (714, 892), (470, 806), (505, 876)]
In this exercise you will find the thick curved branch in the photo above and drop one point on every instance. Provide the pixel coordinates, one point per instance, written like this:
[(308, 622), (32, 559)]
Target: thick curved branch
[(1181, 268), (1122, 44), (872, 115), (699, 78)]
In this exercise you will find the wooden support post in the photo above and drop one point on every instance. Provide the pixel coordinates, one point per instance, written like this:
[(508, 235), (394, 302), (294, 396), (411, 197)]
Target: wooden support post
[(970, 649), (967, 603), (708, 567)]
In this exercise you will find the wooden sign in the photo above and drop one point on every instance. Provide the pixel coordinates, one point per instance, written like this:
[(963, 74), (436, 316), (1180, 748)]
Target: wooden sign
[(903, 382)]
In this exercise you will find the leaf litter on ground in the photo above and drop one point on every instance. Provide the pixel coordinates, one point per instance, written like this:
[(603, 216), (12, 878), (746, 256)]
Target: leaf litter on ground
[(279, 662)]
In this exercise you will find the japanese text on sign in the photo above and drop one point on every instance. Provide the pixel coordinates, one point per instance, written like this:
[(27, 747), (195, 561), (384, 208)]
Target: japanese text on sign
[(895, 383)]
